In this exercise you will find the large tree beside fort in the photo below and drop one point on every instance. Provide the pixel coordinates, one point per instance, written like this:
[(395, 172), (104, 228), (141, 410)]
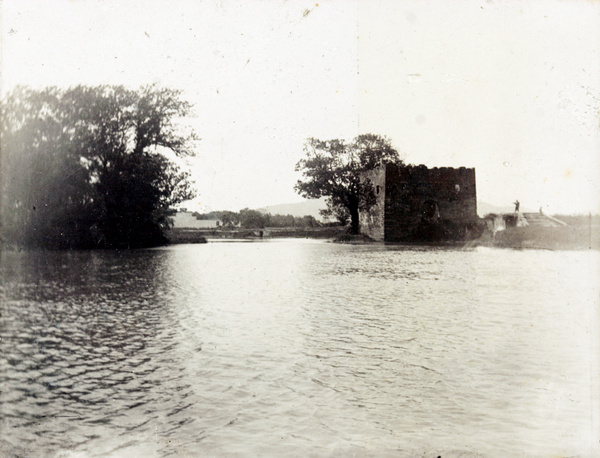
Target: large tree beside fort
[(332, 169), (91, 166)]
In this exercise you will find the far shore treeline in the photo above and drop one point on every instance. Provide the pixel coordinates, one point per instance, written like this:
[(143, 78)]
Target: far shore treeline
[(92, 167), (255, 219)]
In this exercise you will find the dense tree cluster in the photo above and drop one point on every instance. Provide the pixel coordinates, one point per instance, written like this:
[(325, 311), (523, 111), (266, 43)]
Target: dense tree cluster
[(91, 166), (332, 169), (293, 221), (247, 218)]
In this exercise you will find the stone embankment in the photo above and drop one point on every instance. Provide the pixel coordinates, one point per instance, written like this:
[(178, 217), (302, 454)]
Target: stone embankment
[(536, 230)]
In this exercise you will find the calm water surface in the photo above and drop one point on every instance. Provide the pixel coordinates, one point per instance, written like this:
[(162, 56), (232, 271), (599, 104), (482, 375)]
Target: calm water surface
[(299, 348)]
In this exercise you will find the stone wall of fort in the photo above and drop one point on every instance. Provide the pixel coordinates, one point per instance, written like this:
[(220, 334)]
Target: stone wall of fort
[(413, 196), (372, 222)]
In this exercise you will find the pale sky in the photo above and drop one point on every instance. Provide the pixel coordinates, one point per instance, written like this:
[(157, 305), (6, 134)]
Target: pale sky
[(511, 88)]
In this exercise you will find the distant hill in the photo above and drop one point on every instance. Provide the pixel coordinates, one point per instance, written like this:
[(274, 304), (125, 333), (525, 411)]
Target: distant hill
[(308, 207)]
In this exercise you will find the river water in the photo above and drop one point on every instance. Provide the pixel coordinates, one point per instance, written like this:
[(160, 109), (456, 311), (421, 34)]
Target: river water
[(299, 348)]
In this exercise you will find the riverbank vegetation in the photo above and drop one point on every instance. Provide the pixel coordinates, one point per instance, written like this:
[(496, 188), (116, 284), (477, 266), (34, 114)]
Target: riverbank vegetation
[(91, 167)]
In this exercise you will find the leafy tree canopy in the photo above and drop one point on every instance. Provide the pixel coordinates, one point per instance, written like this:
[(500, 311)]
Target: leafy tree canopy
[(90, 166), (332, 169), (253, 218)]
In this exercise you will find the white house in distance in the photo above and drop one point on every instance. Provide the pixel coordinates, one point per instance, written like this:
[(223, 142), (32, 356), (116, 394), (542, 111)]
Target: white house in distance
[(186, 220)]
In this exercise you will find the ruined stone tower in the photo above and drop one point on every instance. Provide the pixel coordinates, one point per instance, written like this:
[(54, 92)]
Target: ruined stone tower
[(418, 203)]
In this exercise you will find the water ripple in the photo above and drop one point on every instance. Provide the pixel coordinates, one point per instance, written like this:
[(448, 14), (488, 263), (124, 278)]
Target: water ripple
[(298, 348)]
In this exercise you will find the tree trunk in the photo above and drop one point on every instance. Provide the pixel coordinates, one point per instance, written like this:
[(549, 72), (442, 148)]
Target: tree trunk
[(354, 223)]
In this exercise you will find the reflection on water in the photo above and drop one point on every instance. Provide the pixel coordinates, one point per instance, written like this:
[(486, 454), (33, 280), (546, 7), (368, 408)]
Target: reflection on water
[(301, 348)]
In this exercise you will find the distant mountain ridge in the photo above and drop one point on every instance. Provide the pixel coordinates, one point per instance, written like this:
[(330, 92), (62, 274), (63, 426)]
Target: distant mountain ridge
[(308, 207)]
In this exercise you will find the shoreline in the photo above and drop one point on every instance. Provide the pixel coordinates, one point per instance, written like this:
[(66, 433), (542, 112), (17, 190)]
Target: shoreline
[(537, 238), (567, 238)]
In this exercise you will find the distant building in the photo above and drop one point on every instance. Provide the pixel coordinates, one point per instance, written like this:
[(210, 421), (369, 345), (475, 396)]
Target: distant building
[(418, 203), (187, 220)]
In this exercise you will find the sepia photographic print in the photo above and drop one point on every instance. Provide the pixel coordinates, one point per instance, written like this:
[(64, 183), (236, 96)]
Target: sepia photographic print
[(299, 228)]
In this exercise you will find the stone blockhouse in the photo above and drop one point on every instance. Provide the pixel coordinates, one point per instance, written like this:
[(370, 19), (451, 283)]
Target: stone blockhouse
[(416, 202)]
